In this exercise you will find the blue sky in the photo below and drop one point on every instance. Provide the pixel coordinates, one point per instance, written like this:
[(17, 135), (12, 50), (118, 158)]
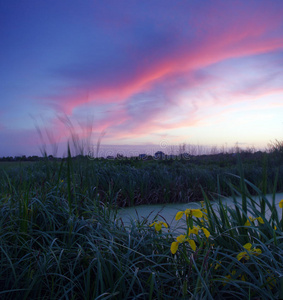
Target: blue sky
[(143, 72)]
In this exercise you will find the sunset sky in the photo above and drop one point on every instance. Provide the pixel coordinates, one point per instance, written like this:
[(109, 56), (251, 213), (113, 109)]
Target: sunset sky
[(140, 72)]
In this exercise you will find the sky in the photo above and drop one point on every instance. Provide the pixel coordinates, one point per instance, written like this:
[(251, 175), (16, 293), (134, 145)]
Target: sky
[(139, 73)]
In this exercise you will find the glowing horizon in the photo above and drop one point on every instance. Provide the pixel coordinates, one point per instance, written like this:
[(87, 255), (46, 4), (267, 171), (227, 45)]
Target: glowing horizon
[(182, 72)]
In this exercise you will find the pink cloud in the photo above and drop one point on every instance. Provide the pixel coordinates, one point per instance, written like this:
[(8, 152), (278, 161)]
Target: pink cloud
[(238, 43), (224, 33)]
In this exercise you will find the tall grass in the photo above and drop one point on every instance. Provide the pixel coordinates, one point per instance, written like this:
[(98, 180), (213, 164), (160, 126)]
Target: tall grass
[(133, 182), (60, 237)]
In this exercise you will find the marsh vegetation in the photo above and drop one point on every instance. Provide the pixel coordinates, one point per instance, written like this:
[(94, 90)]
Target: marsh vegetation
[(61, 237)]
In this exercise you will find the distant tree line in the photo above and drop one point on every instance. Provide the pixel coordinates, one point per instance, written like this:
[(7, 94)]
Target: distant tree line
[(274, 148), (27, 158)]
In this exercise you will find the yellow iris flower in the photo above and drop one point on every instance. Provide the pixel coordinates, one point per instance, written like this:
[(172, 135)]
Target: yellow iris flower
[(182, 239), (218, 265), (251, 219), (281, 204), (189, 213), (250, 251), (158, 225), (196, 229)]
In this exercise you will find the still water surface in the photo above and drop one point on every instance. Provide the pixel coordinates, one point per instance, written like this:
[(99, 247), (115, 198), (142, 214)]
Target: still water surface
[(168, 211)]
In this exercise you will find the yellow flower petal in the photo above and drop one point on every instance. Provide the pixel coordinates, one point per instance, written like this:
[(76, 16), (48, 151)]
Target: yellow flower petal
[(240, 255), (194, 230), (260, 220), (193, 212), (249, 220), (281, 204), (188, 212), (192, 244), (174, 247), (158, 226), (181, 238), (248, 246), (197, 213), (164, 224), (247, 223), (258, 251), (218, 265), (179, 215), (206, 232), (243, 255)]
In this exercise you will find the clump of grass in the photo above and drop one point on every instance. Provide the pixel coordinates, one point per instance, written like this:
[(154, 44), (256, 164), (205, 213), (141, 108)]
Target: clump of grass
[(55, 246), (231, 252)]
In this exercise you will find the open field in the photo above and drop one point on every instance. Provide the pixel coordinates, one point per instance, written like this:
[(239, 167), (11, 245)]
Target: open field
[(61, 236)]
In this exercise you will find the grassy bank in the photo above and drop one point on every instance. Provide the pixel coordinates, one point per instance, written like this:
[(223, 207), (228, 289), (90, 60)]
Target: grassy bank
[(60, 239), (127, 182)]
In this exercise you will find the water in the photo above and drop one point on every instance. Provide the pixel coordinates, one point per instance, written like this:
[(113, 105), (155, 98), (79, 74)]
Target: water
[(167, 212)]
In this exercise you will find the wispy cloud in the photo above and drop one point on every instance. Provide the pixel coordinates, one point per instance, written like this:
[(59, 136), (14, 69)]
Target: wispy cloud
[(118, 77)]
